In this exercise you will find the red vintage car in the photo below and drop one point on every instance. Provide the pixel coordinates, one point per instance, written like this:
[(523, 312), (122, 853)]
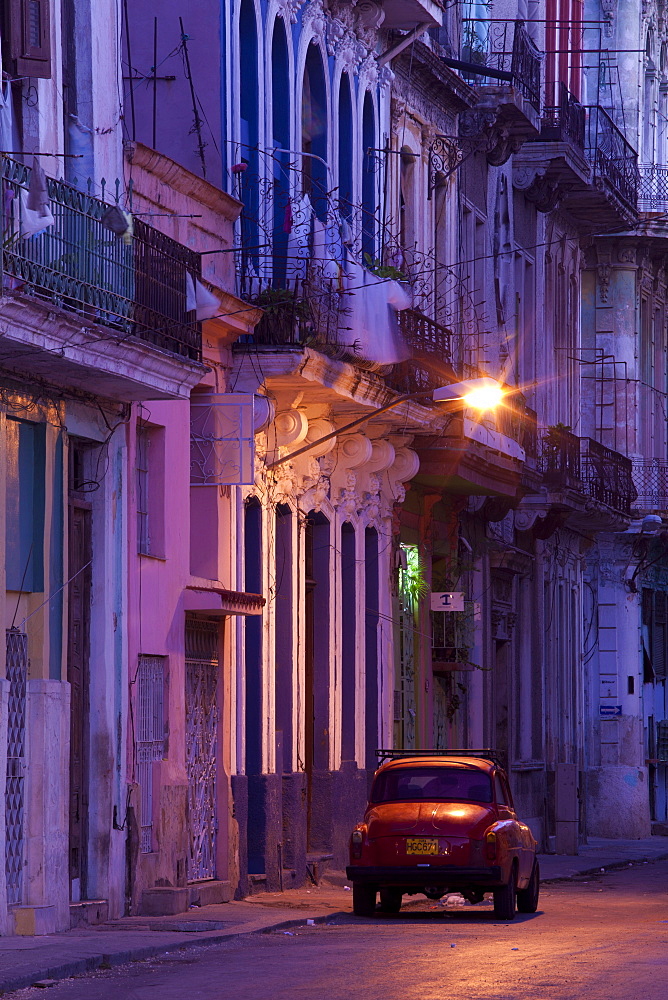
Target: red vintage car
[(440, 822)]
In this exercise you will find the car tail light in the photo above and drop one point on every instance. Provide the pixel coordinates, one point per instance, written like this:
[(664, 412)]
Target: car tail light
[(490, 846), (356, 843)]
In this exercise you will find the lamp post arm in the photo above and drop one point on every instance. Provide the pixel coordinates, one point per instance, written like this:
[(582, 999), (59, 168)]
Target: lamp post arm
[(350, 426)]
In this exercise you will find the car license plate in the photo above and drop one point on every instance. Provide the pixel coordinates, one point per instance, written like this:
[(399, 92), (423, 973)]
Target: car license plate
[(421, 845)]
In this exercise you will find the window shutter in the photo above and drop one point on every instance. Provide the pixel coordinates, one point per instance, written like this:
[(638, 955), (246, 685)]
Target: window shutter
[(30, 37), (647, 595), (659, 645)]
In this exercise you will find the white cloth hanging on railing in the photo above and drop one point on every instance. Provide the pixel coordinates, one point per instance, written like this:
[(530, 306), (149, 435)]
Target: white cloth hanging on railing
[(38, 191), (328, 253), (200, 299), (31, 223), (371, 306)]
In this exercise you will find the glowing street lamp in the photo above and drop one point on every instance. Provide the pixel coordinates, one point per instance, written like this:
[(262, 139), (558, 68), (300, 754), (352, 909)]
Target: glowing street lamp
[(478, 393)]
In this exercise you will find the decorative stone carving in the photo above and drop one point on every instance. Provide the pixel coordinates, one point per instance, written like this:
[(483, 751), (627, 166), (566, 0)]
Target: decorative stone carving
[(348, 500), (627, 255), (288, 9), (538, 189), (397, 112), (406, 464), (355, 450), (604, 272), (369, 14), (290, 427), (383, 455), (314, 20), (608, 9), (317, 429)]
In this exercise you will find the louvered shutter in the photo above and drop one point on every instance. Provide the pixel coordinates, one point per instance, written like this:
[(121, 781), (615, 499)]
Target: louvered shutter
[(29, 30)]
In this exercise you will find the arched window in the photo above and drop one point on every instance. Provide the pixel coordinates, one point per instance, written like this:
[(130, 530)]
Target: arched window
[(368, 177), (249, 136), (314, 132), (345, 148), (280, 125)]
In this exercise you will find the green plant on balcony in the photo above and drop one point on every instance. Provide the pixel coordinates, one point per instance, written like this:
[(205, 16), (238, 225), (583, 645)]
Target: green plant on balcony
[(285, 314), (381, 270)]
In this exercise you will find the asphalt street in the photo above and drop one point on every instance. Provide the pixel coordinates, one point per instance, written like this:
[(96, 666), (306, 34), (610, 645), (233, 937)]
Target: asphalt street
[(600, 937)]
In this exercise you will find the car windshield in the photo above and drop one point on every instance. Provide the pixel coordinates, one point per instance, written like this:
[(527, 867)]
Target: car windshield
[(420, 784)]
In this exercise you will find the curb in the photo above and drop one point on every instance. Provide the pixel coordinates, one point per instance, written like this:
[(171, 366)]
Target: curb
[(91, 963), (611, 866)]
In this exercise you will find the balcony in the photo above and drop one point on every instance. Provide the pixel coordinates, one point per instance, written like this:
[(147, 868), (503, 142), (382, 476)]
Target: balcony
[(137, 289), (607, 476), (650, 482), (504, 65), (559, 460), (653, 188), (431, 346), (564, 123), (581, 162), (614, 162)]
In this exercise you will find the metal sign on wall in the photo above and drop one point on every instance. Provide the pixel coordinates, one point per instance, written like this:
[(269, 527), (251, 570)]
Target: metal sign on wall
[(447, 601), (222, 439)]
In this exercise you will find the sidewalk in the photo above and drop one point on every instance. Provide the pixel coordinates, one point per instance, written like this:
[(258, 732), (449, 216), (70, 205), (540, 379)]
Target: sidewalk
[(28, 960)]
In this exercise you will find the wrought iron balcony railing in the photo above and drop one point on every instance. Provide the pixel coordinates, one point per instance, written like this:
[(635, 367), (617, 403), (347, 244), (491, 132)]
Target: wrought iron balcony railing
[(653, 189), (607, 476), (518, 421), (504, 49), (565, 122), (308, 313), (431, 363), (613, 160), (138, 288), (650, 480), (559, 458), (584, 465)]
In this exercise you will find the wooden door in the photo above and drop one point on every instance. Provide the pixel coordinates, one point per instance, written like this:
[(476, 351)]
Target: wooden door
[(79, 593)]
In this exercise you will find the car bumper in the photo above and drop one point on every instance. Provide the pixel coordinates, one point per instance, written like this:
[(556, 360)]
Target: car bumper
[(438, 875)]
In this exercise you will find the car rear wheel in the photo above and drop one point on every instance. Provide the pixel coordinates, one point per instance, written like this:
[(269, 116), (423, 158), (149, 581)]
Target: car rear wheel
[(364, 900), (527, 899), (390, 900), (505, 899)]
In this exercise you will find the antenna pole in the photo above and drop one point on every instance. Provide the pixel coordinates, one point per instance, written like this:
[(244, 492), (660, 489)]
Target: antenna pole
[(197, 125)]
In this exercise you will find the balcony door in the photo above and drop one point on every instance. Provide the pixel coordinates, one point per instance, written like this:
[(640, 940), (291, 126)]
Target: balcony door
[(78, 670)]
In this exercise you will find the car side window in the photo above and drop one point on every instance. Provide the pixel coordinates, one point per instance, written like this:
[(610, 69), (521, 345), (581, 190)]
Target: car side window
[(501, 797)]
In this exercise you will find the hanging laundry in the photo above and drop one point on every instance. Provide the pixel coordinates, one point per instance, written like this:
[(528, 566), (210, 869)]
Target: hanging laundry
[(38, 191), (6, 119), (32, 223), (198, 298), (328, 247), (372, 305), (116, 220)]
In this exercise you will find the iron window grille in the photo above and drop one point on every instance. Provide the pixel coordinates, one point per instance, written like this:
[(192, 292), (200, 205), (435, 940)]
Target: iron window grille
[(150, 740)]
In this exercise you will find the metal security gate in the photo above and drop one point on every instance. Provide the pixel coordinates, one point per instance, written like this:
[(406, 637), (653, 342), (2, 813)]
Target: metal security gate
[(17, 671), (201, 745)]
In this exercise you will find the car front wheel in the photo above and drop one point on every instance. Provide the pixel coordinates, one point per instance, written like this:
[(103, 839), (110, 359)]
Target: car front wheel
[(364, 900), (527, 899), (505, 899)]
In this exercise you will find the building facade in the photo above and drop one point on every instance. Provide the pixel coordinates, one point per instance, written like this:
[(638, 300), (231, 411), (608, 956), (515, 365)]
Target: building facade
[(234, 514)]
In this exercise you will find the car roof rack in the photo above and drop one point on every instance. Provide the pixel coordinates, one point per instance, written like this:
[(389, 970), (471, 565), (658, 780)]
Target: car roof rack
[(495, 756)]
